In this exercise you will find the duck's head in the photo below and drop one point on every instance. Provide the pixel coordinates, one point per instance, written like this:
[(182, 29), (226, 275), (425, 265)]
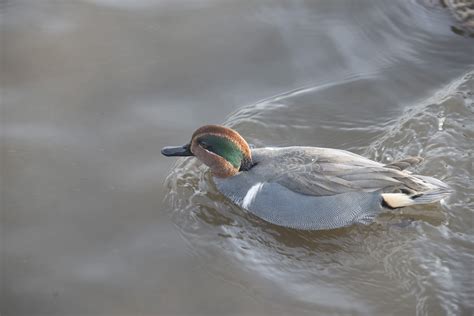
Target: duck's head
[(222, 149)]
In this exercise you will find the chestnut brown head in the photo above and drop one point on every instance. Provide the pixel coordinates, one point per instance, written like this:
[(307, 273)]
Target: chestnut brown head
[(222, 149)]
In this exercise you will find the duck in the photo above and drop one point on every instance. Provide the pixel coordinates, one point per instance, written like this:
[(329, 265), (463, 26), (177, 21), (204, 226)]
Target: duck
[(307, 188)]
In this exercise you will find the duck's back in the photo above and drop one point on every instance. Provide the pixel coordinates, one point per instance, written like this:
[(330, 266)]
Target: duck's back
[(322, 188)]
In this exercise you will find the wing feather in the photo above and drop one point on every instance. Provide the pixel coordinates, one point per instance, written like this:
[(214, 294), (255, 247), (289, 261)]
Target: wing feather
[(323, 171)]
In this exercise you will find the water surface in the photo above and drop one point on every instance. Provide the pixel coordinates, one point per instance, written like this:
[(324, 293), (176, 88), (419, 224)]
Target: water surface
[(95, 221)]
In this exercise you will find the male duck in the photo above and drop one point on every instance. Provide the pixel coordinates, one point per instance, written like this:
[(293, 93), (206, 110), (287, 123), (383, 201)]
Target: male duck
[(307, 187)]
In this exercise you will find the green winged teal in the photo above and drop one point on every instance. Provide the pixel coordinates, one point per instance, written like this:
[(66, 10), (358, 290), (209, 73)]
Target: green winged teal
[(307, 187)]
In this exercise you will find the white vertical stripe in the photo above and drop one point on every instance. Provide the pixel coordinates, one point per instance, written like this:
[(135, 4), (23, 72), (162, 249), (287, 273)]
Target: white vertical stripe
[(251, 194)]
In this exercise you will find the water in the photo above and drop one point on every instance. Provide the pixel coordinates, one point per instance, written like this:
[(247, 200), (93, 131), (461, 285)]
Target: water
[(95, 221)]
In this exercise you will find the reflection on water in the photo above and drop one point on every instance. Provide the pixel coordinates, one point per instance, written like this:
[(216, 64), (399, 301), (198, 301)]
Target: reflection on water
[(91, 90)]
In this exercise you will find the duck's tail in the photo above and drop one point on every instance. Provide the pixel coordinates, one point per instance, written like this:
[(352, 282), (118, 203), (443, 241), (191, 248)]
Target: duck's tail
[(436, 190)]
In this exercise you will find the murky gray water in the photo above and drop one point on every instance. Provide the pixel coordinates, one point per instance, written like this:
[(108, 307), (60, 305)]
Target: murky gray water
[(95, 221)]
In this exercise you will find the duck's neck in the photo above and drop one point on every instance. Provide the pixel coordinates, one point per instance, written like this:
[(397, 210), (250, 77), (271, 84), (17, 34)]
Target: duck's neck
[(246, 164)]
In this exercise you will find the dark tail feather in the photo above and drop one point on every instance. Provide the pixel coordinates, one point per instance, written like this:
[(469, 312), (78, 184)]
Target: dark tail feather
[(436, 190), (430, 196)]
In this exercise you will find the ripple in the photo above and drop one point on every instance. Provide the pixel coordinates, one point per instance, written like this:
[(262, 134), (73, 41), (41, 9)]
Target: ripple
[(354, 262)]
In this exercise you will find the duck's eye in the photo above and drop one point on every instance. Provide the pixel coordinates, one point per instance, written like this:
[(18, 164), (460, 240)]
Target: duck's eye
[(205, 145)]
